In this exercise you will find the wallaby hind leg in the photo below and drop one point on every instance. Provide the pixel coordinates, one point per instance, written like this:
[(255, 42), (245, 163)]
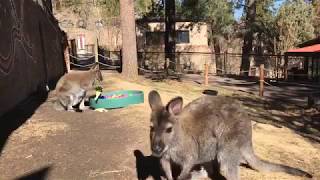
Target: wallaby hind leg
[(229, 162), (62, 103), (186, 172), (58, 106), (70, 102)]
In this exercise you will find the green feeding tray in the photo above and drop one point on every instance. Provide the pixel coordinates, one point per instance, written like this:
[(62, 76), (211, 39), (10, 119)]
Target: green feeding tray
[(117, 99)]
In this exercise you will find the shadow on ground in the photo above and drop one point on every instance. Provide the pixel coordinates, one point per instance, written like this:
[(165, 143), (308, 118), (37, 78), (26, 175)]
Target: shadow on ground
[(40, 174), (161, 75), (149, 166), (305, 122), (13, 119), (284, 103), (210, 92), (284, 91)]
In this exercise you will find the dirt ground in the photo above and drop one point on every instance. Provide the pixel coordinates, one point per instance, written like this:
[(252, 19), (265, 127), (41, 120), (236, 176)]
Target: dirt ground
[(112, 145)]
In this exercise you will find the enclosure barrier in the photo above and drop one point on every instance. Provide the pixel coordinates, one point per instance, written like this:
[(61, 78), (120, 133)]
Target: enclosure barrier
[(262, 81), (31, 52), (226, 63), (206, 69), (100, 63), (156, 64)]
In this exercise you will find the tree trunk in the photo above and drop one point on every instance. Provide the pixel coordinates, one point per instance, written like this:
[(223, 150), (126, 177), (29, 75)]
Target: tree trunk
[(170, 27), (248, 37), (218, 56), (215, 49), (129, 43)]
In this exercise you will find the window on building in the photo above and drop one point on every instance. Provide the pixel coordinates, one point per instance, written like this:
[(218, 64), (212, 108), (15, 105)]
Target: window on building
[(182, 37), (154, 38), (158, 38)]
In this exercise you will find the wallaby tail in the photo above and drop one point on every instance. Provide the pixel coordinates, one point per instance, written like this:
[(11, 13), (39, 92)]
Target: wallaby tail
[(262, 165)]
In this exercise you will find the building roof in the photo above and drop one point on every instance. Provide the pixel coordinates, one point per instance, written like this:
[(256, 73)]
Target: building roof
[(307, 49)]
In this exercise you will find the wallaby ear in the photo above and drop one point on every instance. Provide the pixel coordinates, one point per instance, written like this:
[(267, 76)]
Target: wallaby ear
[(95, 67), (155, 100), (174, 106)]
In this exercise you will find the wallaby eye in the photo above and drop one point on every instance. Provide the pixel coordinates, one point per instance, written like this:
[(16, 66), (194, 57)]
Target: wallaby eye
[(169, 130)]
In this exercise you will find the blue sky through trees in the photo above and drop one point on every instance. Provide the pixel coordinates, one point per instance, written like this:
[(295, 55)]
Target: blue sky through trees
[(238, 12)]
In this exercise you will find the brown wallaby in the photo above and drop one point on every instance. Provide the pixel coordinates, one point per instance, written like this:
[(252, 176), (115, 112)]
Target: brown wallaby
[(72, 88), (209, 128)]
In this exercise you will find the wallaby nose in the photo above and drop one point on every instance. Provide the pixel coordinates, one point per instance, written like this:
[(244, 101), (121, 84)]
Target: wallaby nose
[(157, 149)]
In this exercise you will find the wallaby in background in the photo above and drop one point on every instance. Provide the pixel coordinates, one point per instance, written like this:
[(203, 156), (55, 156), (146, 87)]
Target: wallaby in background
[(72, 88), (209, 128)]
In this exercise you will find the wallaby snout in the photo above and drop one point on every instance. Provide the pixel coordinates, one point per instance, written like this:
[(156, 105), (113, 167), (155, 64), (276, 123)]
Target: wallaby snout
[(161, 135), (158, 148)]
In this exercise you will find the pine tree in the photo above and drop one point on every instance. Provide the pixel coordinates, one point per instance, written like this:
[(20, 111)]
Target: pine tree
[(316, 24), (129, 43), (248, 36), (295, 22)]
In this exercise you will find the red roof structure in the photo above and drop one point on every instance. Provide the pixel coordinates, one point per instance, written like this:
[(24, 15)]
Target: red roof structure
[(310, 52), (307, 49)]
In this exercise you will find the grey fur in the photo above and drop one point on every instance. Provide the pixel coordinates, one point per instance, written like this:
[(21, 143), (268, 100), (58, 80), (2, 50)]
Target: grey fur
[(209, 128), (72, 88)]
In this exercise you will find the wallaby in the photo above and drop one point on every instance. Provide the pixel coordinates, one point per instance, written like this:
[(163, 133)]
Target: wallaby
[(209, 128), (72, 88)]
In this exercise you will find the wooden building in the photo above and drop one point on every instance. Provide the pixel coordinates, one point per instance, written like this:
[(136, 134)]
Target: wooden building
[(309, 66)]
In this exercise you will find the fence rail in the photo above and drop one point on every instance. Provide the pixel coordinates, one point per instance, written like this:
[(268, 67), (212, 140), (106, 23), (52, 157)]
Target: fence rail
[(195, 62), (156, 64)]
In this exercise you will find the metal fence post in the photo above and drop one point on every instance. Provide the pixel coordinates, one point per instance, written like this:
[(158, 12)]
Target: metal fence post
[(277, 67), (67, 58), (261, 80), (206, 74), (225, 62), (286, 67), (96, 58), (227, 67)]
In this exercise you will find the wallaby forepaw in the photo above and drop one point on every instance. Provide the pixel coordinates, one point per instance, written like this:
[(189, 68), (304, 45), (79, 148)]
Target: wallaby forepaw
[(165, 178), (71, 110), (197, 175), (59, 108), (84, 108), (187, 177)]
